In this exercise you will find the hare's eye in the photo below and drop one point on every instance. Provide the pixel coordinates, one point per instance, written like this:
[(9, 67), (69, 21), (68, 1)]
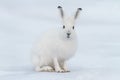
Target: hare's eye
[(63, 26), (73, 27)]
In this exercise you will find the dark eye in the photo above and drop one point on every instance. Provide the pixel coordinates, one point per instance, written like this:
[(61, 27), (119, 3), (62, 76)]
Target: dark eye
[(73, 27), (63, 26)]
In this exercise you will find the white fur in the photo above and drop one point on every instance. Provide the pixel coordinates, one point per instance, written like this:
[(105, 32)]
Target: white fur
[(54, 48)]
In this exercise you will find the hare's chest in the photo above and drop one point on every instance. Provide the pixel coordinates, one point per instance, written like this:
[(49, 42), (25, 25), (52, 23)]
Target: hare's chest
[(65, 50)]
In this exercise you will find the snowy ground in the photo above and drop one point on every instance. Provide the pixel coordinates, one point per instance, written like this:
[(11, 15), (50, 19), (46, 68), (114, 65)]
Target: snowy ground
[(98, 56)]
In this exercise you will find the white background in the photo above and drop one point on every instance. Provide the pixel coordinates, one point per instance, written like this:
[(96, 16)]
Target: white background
[(98, 29)]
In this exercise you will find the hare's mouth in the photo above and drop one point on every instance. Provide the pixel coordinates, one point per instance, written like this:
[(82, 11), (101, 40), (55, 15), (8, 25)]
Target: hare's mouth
[(68, 36)]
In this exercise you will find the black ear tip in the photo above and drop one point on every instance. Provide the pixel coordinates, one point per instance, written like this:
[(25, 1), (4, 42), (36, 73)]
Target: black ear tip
[(59, 7), (79, 8)]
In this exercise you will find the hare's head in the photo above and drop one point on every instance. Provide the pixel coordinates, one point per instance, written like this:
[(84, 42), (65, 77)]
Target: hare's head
[(68, 27)]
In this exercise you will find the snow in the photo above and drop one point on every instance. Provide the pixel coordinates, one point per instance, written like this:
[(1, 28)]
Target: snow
[(98, 29)]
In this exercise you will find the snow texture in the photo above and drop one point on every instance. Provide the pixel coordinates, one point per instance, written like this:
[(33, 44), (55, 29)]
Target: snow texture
[(98, 29)]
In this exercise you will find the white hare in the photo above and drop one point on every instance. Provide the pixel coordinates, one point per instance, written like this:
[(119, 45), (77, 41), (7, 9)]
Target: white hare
[(56, 46)]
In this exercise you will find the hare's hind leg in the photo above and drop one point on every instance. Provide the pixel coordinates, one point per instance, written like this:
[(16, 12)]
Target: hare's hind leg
[(36, 61), (40, 64), (45, 69), (37, 68)]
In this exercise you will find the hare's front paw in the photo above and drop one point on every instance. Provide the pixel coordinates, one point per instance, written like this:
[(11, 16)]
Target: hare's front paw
[(66, 69), (60, 70)]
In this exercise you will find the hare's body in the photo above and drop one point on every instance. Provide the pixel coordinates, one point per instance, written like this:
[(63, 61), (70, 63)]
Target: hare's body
[(56, 46), (51, 46)]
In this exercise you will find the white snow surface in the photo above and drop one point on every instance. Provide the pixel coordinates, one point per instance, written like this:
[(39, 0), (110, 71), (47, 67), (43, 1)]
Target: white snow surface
[(98, 29)]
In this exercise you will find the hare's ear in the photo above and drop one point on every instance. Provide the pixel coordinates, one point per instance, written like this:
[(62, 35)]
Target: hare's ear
[(61, 11), (77, 13)]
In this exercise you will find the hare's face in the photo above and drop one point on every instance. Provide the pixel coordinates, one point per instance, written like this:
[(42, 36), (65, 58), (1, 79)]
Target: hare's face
[(68, 29)]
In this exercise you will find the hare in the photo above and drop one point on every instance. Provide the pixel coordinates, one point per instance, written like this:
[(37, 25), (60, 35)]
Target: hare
[(56, 46)]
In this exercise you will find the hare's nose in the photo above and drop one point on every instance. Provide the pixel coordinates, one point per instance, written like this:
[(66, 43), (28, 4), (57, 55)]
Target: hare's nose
[(68, 33)]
